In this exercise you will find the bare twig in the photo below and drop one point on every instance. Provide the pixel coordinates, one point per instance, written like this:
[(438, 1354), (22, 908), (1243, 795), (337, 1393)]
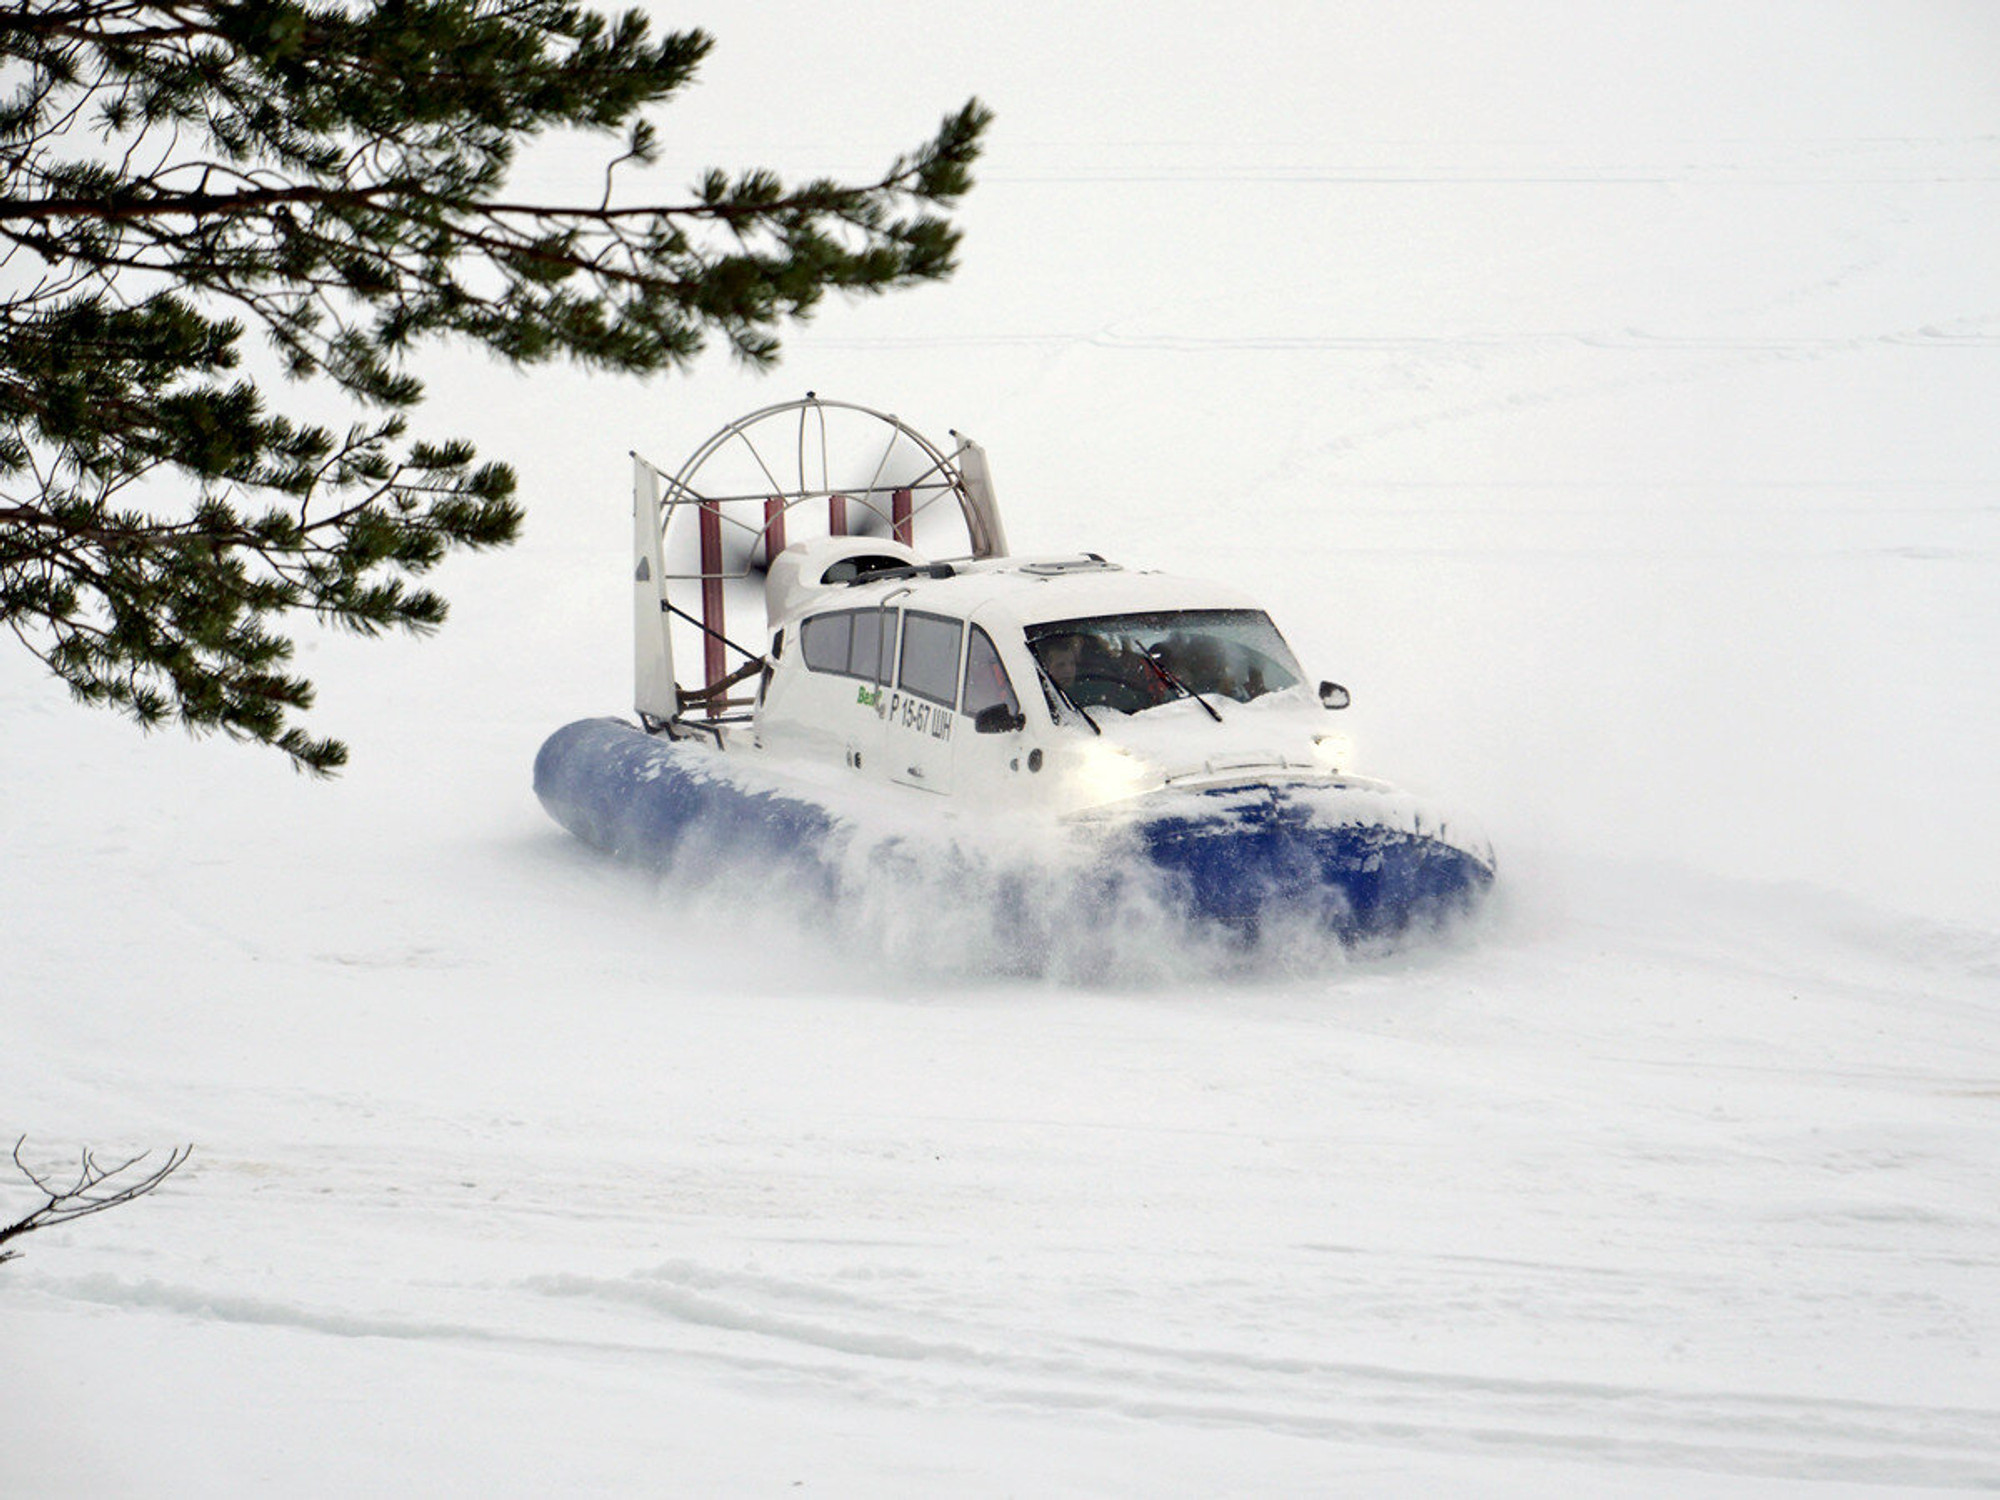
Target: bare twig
[(95, 1189)]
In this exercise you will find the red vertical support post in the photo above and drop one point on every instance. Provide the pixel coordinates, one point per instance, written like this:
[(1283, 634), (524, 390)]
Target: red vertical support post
[(711, 599), (774, 529), (836, 515), (899, 516)]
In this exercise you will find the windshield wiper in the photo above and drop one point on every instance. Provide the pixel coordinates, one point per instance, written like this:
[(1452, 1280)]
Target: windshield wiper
[(1172, 680), (1063, 693)]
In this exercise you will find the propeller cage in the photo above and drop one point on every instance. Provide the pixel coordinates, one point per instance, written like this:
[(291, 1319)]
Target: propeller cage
[(790, 473)]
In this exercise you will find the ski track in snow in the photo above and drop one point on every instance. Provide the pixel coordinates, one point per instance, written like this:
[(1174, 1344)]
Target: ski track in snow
[(878, 1331), (1151, 1269), (1727, 1431), (919, 1255)]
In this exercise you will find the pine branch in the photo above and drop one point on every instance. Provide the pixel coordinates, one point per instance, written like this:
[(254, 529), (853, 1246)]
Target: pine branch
[(174, 173)]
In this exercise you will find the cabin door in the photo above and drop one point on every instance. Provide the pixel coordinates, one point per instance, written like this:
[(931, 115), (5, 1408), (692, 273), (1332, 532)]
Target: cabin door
[(985, 765), (922, 716)]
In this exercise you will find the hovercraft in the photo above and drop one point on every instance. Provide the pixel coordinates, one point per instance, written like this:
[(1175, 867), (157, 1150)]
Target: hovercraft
[(894, 648)]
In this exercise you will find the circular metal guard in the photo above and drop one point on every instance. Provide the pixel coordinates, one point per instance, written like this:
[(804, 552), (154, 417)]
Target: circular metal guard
[(788, 473)]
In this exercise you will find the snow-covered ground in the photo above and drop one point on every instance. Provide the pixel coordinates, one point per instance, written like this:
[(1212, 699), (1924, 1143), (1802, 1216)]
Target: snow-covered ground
[(1608, 402)]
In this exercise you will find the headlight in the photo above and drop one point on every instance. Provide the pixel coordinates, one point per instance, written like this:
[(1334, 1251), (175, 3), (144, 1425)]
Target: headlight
[(1106, 773)]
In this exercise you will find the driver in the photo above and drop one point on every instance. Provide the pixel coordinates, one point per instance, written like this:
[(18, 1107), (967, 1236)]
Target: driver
[(1062, 659), (1091, 675)]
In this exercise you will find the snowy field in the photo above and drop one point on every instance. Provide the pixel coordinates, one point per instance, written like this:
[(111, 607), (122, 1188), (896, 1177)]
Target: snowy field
[(1606, 395)]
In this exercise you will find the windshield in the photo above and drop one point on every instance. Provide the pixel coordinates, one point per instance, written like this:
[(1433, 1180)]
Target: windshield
[(1135, 662)]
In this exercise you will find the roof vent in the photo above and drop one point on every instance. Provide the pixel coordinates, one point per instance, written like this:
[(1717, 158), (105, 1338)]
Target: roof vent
[(1090, 562)]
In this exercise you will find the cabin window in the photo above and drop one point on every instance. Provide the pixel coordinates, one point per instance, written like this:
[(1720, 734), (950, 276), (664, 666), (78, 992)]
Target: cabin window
[(864, 653), (886, 670), (930, 657), (851, 642), (986, 684), (824, 640)]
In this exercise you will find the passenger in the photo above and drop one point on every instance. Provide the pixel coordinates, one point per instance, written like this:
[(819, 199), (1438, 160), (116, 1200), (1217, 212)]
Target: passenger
[(1205, 670), (1180, 656), (1140, 682)]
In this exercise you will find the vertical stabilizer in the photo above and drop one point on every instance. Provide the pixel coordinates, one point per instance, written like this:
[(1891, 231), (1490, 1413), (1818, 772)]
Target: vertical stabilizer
[(983, 517), (653, 652)]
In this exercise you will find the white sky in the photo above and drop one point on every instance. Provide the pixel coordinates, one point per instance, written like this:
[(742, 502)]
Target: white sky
[(1314, 75)]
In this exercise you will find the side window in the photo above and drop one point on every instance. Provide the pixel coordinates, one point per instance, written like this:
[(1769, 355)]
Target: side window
[(986, 684), (864, 652), (930, 657), (885, 671), (823, 639)]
